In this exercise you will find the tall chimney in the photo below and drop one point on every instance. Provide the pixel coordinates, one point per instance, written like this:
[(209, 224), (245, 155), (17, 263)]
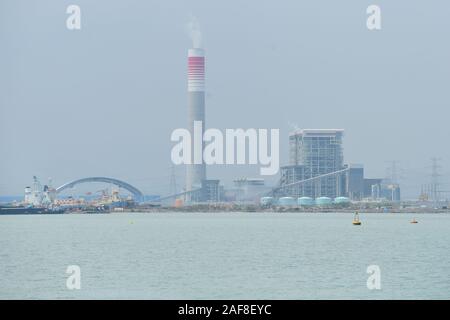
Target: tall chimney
[(196, 109)]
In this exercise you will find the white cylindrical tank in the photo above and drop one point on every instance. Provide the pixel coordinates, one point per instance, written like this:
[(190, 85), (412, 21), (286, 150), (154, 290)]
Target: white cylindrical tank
[(324, 201), (266, 201), (305, 201), (287, 201), (342, 200)]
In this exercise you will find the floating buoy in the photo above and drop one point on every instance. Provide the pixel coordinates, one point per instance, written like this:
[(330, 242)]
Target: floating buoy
[(356, 221)]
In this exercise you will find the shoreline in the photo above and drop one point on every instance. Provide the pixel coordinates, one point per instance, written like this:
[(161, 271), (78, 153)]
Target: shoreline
[(265, 210)]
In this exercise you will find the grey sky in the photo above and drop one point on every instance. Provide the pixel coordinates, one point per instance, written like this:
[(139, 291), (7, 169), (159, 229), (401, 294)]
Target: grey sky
[(104, 100)]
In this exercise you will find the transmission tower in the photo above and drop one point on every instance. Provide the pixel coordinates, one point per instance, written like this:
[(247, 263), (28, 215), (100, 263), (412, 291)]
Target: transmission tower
[(435, 180), (173, 181), (394, 172)]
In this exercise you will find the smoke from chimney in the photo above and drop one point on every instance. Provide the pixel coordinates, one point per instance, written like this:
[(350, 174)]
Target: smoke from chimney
[(194, 32)]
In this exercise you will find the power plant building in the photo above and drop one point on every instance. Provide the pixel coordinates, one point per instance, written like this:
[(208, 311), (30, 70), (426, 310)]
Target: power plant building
[(319, 150), (317, 170), (249, 189), (314, 153), (210, 191)]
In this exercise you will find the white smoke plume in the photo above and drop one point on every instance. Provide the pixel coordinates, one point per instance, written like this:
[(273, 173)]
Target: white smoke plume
[(194, 32), (293, 126)]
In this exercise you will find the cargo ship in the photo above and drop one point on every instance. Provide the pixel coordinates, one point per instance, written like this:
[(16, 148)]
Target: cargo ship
[(38, 200), (13, 210)]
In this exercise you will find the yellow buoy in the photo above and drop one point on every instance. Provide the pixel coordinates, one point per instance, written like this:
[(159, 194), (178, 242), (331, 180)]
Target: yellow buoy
[(356, 221)]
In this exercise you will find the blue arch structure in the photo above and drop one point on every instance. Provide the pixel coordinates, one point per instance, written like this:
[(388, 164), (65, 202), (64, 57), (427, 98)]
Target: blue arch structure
[(136, 193)]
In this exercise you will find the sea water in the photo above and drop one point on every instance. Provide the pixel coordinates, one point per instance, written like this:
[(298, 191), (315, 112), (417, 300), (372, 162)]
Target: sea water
[(225, 256)]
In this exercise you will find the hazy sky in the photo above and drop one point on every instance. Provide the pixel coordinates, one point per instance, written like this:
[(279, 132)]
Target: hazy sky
[(103, 101)]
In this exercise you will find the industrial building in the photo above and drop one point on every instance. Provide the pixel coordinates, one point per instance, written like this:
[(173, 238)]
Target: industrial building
[(390, 191), (372, 188), (380, 189), (319, 150), (314, 154), (210, 191), (317, 170), (249, 189)]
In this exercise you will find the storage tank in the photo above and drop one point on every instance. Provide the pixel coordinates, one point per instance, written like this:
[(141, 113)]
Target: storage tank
[(287, 201), (323, 201), (305, 201), (266, 201), (342, 200)]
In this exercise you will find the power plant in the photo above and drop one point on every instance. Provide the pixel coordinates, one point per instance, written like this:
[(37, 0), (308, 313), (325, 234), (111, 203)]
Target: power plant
[(316, 175)]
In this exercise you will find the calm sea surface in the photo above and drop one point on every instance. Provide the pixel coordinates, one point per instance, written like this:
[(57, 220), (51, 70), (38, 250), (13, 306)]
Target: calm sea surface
[(225, 256)]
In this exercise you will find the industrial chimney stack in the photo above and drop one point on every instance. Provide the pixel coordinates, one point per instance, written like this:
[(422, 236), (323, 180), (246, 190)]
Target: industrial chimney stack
[(196, 104)]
